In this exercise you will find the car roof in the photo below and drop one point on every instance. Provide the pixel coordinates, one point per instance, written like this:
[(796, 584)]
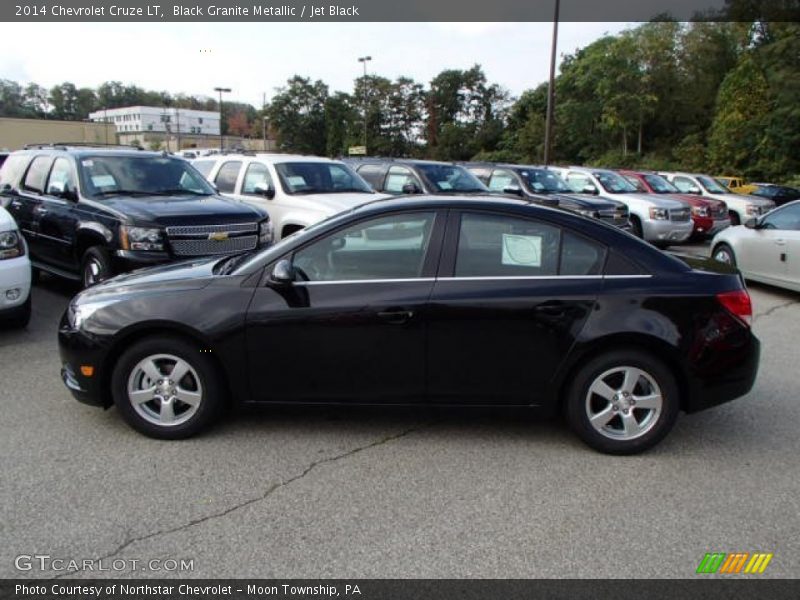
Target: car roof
[(271, 157), (407, 161)]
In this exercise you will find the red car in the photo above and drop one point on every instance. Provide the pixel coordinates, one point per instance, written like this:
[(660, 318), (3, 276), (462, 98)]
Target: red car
[(709, 216)]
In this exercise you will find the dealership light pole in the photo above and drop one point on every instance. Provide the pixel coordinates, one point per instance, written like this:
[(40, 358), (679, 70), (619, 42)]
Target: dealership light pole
[(364, 60), (548, 128), (221, 139)]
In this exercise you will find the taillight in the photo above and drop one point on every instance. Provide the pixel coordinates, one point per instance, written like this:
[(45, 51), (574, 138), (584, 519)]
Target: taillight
[(738, 304)]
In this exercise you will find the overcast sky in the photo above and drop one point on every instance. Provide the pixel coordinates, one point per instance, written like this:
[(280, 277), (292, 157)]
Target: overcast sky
[(255, 58)]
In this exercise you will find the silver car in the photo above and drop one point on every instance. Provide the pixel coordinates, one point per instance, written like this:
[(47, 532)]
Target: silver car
[(766, 248)]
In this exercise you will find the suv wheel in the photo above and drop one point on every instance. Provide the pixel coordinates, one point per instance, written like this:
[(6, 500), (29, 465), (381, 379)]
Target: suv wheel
[(165, 388), (95, 266), (623, 402)]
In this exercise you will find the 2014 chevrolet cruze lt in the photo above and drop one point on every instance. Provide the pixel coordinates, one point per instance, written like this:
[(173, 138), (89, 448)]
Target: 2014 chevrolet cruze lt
[(436, 301)]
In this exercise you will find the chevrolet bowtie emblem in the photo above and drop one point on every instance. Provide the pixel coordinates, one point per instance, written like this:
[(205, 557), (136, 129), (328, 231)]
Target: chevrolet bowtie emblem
[(219, 236)]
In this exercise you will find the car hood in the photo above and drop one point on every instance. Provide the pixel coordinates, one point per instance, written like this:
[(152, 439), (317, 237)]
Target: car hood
[(184, 275), (695, 200), (335, 203), (652, 199), (182, 210), (7, 222), (757, 200), (589, 202)]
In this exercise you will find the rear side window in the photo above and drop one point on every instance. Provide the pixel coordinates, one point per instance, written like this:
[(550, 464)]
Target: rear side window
[(37, 174), (581, 256), (256, 174), (12, 170), (372, 174), (397, 178), (683, 184), (500, 180), (226, 178), (500, 246)]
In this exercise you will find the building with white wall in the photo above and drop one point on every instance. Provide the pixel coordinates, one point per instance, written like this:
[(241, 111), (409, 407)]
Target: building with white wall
[(155, 119)]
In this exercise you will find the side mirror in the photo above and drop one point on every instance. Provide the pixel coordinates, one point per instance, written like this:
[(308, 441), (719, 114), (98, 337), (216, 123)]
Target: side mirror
[(266, 190), (411, 188), (695, 190), (282, 272), (752, 224), (513, 190), (59, 189), (589, 189)]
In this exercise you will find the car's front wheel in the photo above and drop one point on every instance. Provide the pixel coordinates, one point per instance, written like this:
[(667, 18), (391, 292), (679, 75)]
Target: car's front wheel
[(96, 266), (724, 254), (166, 388), (623, 402)]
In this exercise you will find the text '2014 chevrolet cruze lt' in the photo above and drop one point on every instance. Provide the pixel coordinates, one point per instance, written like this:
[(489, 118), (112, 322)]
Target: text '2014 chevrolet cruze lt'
[(423, 300)]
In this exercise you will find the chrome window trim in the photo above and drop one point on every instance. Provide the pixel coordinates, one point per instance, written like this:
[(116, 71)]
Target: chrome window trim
[(499, 278)]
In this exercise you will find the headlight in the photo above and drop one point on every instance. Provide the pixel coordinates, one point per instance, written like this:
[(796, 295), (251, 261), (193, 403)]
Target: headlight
[(77, 314), (265, 232), (659, 214), (753, 209), (11, 245), (700, 211), (141, 238), (587, 213)]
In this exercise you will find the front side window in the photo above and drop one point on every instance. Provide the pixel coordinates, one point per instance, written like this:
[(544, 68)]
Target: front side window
[(111, 175), (501, 179), (660, 185), (613, 183), (448, 179), (61, 177), (257, 175), (712, 187), (227, 176), (787, 218), (684, 184), (371, 174), (544, 181), (392, 247), (37, 174), (635, 182), (398, 178), (578, 181), (204, 166), (501, 246), (320, 178)]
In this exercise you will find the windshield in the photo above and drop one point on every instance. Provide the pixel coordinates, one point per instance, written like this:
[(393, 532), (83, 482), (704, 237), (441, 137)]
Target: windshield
[(712, 187), (613, 183), (660, 185), (104, 176), (448, 179), (320, 178), (541, 181)]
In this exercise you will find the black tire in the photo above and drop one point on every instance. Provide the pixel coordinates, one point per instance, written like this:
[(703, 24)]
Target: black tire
[(143, 419), (21, 316), (654, 424), (96, 266), (636, 227), (735, 220), (724, 254)]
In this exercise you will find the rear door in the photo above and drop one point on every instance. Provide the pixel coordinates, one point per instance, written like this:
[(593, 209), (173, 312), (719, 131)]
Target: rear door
[(352, 327), (31, 199), (511, 296), (773, 251)]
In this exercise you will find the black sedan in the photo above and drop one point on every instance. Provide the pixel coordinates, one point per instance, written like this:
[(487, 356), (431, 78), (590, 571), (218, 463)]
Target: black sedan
[(423, 300)]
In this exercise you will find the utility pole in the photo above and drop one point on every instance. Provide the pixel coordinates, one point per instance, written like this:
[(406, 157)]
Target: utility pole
[(363, 60), (221, 139), (264, 119), (548, 130)]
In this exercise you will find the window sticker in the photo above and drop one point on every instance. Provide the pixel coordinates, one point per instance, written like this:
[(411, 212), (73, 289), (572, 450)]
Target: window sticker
[(522, 250), (103, 181), (296, 180), (88, 163), (445, 185)]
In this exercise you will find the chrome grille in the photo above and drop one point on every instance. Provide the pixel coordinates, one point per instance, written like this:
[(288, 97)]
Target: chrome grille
[(679, 214), (205, 229), (766, 208), (615, 216), (208, 247)]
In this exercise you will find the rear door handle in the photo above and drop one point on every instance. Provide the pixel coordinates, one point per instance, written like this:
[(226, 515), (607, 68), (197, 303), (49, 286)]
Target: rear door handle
[(551, 309), (396, 316), (780, 242)]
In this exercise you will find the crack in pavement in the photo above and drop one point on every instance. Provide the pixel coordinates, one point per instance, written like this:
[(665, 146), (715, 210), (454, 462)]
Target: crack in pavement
[(775, 308), (271, 490)]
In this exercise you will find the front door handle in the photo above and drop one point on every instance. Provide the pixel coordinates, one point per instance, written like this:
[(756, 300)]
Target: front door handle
[(551, 309), (396, 316), (780, 242)]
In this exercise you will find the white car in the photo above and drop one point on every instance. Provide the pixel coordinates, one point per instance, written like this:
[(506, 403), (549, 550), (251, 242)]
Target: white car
[(658, 220), (765, 249), (15, 274), (741, 207), (296, 191)]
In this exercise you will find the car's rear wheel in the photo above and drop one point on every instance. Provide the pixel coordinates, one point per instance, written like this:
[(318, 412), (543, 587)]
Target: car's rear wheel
[(623, 402), (724, 254), (96, 266), (166, 388)]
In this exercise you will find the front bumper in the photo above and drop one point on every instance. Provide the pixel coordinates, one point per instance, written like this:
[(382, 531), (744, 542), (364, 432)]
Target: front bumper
[(667, 231), (15, 282), (77, 349), (709, 226)]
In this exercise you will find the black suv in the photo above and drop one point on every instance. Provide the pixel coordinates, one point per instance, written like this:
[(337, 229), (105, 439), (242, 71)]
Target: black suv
[(409, 176), (91, 212), (541, 185)]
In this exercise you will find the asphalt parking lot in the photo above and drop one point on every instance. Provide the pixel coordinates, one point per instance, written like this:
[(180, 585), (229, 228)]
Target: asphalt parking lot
[(397, 493)]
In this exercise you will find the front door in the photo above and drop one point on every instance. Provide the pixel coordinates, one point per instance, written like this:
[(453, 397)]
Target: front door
[(352, 326), (511, 297), (57, 218)]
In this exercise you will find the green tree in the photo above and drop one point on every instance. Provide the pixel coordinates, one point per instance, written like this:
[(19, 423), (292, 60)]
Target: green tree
[(297, 115)]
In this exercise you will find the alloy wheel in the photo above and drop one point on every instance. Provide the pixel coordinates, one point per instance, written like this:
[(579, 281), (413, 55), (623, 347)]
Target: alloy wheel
[(164, 390), (624, 403)]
